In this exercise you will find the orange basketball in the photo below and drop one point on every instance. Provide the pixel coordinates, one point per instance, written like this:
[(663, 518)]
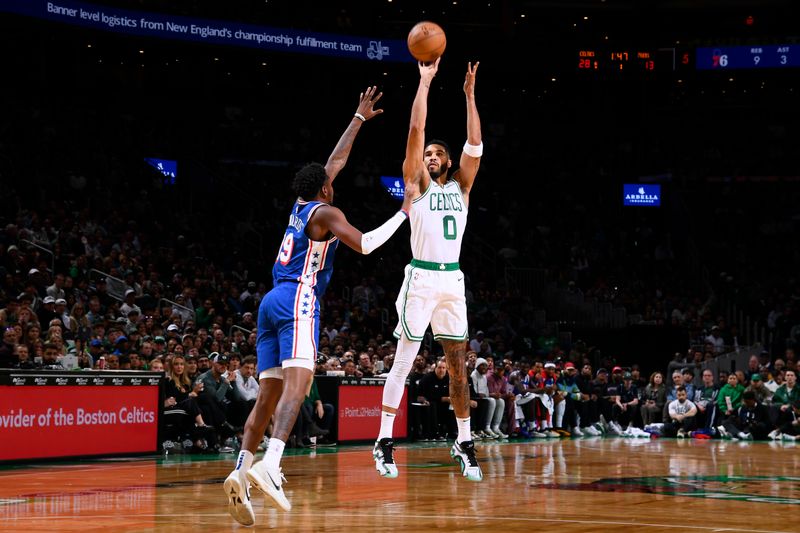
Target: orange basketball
[(426, 41)]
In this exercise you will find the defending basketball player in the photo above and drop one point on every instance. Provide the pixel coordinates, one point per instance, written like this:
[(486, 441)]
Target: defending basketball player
[(433, 288), (288, 317)]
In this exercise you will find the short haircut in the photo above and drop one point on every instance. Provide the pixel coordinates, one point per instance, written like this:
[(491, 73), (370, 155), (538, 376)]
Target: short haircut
[(309, 180), (249, 359), (440, 143), (49, 346), (748, 395), (680, 389)]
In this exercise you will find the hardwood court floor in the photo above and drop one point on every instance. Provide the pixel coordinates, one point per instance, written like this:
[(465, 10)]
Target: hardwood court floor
[(567, 485)]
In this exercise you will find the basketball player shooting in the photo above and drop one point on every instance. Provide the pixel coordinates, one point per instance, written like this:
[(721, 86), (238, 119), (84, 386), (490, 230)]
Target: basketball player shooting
[(433, 287), (288, 317)]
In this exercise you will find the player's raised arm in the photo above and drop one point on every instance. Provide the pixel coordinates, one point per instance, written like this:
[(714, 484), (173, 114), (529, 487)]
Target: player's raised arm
[(413, 166), (473, 148), (365, 111), (364, 243)]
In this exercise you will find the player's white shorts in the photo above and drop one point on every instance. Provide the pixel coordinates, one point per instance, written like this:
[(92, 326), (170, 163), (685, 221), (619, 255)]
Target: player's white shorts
[(434, 297)]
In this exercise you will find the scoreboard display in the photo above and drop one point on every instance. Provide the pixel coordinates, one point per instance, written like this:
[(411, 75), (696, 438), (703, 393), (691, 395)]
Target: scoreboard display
[(747, 57), (616, 60)]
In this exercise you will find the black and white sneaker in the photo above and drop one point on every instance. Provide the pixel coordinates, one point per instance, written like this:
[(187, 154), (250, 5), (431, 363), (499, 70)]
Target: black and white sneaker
[(383, 453), (237, 491), (464, 454)]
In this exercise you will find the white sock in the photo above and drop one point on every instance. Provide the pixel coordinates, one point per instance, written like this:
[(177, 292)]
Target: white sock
[(274, 452), (244, 461), (387, 425), (463, 429)]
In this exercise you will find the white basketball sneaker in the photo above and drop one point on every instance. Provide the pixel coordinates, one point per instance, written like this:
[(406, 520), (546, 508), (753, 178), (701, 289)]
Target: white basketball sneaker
[(239, 506), (383, 453), (464, 454), (269, 481)]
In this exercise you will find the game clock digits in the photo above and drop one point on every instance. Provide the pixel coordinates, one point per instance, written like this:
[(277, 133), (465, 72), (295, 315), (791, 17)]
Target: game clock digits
[(621, 60)]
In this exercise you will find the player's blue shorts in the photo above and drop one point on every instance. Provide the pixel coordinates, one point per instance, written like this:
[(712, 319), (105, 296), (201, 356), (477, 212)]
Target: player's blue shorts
[(288, 327)]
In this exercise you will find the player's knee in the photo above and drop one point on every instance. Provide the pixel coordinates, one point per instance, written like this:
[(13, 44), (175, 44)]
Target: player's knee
[(401, 366)]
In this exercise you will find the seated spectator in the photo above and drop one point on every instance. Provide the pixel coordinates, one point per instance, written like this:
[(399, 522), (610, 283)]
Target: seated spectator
[(181, 411), (672, 391), (729, 398), (654, 398), (480, 345), (10, 314), (320, 365), (495, 406), (523, 403), (333, 365), (682, 414), (600, 391), (572, 396), (589, 414), (777, 380), (637, 378), (181, 393), (785, 401), (750, 422), (626, 404), (350, 369), (203, 361), (541, 381), (217, 394), (22, 356), (7, 347), (757, 386), (191, 367), (245, 392), (50, 357), (434, 388), (752, 368), (706, 401), (365, 365), (687, 374), (498, 390)]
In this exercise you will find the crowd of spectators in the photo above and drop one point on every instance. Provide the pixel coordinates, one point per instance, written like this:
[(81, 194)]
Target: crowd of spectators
[(568, 397)]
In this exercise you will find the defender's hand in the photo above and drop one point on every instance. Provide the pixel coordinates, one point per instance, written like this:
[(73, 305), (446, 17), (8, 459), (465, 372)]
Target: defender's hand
[(469, 79), (367, 101)]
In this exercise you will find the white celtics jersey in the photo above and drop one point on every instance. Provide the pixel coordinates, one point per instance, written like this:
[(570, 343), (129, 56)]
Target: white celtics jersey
[(438, 221)]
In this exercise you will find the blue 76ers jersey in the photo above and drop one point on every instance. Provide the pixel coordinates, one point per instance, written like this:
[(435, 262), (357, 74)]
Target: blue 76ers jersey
[(300, 259)]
